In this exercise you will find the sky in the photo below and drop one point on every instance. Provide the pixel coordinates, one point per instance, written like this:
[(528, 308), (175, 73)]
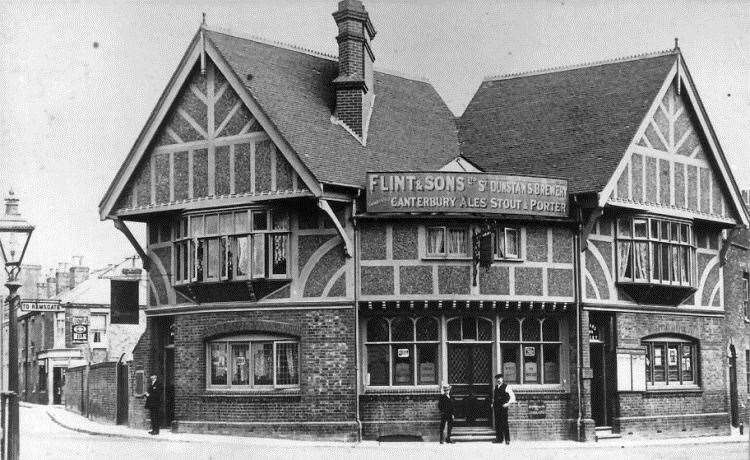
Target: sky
[(78, 79)]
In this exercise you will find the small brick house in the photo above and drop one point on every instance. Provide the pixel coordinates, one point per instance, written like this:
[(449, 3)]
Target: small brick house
[(567, 230)]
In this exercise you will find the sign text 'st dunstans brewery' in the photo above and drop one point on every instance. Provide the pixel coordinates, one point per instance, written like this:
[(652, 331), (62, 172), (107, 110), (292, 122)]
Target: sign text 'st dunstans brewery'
[(464, 192)]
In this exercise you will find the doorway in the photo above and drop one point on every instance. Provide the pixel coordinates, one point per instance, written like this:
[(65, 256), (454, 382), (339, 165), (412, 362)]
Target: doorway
[(733, 397), (470, 375), (598, 385), (604, 368), (58, 381)]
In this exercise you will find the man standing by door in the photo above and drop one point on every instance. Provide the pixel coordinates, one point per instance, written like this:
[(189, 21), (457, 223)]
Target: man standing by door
[(502, 397), (445, 406), (153, 403)]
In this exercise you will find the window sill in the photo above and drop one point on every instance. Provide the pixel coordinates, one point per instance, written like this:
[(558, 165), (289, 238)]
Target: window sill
[(537, 388), (270, 393), (673, 389), (447, 258), (403, 390)]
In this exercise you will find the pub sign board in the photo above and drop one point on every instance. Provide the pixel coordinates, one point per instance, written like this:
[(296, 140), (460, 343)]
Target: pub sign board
[(80, 332), (466, 192), (124, 301)]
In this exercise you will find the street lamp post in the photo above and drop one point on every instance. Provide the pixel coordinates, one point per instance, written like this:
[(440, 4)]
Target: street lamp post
[(15, 233)]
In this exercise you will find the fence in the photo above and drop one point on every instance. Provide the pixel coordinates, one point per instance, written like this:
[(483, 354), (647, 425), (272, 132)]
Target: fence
[(98, 391)]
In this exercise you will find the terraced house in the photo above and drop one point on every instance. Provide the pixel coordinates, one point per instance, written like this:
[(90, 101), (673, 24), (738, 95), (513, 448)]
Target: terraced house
[(327, 244)]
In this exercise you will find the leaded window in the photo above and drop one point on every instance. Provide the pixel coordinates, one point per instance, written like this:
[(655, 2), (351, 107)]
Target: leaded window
[(242, 244), (252, 362), (402, 351), (530, 350), (655, 250)]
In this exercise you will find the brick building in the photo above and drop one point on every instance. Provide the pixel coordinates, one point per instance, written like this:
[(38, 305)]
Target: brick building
[(566, 230), (49, 343)]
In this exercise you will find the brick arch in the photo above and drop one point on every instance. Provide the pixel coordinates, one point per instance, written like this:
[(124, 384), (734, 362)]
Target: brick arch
[(679, 332), (251, 325)]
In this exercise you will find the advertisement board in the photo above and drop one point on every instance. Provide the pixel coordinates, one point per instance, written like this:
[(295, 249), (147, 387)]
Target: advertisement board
[(466, 192)]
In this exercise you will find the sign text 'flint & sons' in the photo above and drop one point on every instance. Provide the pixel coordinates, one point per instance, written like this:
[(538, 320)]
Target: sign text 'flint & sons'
[(466, 192)]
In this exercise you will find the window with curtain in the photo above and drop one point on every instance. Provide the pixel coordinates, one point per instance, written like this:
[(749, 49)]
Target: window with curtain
[(98, 329), (402, 351), (242, 244), (508, 243), (252, 362), (671, 361), (448, 242), (530, 350), (655, 250)]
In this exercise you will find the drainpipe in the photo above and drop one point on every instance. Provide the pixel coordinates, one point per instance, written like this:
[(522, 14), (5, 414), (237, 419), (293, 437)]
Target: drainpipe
[(577, 290), (356, 320)]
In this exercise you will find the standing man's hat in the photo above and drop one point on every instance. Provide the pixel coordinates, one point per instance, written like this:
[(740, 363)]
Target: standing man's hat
[(445, 386)]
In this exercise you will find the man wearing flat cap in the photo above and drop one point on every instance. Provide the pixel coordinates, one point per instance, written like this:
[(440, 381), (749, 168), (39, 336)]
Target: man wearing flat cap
[(445, 405)]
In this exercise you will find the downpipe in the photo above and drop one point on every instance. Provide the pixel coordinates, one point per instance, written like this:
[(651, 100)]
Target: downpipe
[(577, 290)]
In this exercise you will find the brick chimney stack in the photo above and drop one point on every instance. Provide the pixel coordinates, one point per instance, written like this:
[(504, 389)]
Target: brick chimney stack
[(78, 273), (51, 285), (354, 84), (63, 277)]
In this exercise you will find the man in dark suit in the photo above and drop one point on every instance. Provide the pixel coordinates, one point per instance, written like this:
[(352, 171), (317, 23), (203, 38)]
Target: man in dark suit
[(445, 406), (502, 397), (153, 403)]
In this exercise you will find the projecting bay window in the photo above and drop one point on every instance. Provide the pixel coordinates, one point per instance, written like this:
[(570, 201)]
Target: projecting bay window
[(670, 361), (235, 245), (252, 362), (656, 251), (402, 351)]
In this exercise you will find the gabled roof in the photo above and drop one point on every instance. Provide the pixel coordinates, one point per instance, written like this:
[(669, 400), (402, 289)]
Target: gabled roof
[(95, 291), (571, 123), (410, 124)]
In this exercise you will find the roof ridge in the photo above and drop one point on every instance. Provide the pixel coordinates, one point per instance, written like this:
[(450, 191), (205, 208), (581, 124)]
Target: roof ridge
[(562, 68), (268, 41), (312, 52)]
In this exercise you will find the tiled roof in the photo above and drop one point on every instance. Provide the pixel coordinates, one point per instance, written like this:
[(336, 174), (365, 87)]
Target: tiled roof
[(95, 291), (411, 128), (570, 123)]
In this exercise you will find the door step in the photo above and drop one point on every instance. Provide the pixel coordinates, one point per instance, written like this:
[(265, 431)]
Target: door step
[(472, 434), (605, 432)]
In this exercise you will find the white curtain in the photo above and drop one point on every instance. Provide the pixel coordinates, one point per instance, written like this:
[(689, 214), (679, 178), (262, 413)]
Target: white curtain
[(435, 241), (623, 249), (641, 261)]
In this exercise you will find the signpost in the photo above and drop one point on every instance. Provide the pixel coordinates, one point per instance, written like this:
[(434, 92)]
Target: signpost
[(466, 193), (41, 305)]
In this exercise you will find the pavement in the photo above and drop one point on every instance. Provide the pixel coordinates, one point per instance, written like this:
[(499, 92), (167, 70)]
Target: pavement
[(76, 422)]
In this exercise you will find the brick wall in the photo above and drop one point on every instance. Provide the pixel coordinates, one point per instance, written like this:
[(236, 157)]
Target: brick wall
[(736, 328), (323, 406), (74, 390), (102, 392), (679, 412)]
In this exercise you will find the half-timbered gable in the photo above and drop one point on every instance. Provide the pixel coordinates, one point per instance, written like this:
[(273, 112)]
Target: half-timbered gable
[(209, 147)]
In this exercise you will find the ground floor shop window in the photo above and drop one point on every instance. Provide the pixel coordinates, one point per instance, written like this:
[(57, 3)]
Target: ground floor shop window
[(402, 351), (670, 361), (252, 362), (408, 351), (530, 350)]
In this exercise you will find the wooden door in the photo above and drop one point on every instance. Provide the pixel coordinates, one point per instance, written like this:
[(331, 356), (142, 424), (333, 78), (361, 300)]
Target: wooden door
[(470, 375)]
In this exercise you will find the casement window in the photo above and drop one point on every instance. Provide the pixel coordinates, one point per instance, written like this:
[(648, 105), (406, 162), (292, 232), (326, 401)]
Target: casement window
[(98, 329), (252, 362), (233, 245), (530, 350), (402, 351), (448, 242), (670, 361), (657, 251), (507, 243), (746, 295), (60, 330)]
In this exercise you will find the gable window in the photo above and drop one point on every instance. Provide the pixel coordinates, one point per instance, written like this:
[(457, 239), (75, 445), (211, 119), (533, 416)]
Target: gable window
[(240, 245), (252, 362), (670, 361), (530, 350), (655, 250), (402, 351), (448, 242), (508, 243)]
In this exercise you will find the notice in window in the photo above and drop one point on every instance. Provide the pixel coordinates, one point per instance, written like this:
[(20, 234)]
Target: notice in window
[(427, 373), (530, 372), (403, 352), (672, 356), (529, 352), (509, 371), (402, 373)]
